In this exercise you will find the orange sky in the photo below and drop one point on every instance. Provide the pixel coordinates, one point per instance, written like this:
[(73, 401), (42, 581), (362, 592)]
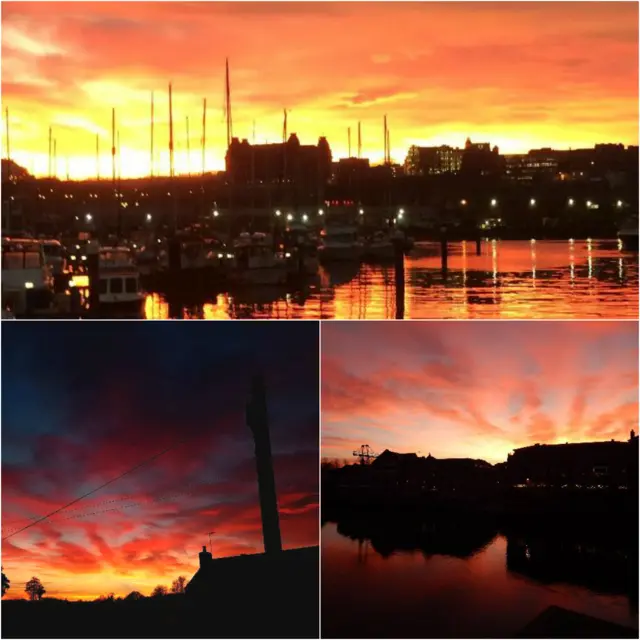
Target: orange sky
[(519, 75), (476, 389)]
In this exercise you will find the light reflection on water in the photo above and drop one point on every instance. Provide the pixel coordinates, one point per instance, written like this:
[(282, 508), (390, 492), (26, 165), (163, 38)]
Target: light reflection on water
[(459, 588), (509, 279)]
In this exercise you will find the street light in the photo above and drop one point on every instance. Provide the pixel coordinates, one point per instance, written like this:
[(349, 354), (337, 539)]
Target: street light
[(463, 202), (571, 201), (289, 217), (494, 202), (278, 213), (589, 204), (320, 212), (149, 217), (216, 213), (401, 212), (361, 212), (532, 202), (88, 217), (619, 204), (305, 217)]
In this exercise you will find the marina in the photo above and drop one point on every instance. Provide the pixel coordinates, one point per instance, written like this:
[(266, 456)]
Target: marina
[(247, 279)]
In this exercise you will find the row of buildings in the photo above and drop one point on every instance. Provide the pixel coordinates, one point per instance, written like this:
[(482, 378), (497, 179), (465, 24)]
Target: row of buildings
[(585, 465), (293, 162)]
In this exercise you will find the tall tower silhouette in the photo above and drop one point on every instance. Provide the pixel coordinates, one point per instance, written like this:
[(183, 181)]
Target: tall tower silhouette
[(258, 421)]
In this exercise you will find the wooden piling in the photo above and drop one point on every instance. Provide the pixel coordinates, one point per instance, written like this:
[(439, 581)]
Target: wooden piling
[(93, 270), (399, 275)]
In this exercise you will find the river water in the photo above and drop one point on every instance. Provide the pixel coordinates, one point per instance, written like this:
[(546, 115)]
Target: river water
[(508, 279), (464, 581)]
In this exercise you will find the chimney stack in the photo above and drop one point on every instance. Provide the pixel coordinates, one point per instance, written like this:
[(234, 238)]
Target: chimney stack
[(205, 557), (257, 420)]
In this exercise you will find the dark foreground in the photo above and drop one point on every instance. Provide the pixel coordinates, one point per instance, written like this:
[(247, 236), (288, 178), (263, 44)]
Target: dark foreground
[(282, 606)]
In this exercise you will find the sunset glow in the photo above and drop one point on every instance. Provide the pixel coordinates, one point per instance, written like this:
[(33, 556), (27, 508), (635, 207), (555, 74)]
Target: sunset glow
[(519, 75), (476, 389), (72, 422)]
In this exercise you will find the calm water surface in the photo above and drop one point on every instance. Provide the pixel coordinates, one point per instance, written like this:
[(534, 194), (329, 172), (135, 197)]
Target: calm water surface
[(464, 583), (509, 279)]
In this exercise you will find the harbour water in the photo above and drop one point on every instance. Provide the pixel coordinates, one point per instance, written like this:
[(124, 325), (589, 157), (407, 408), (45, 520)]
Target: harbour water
[(463, 580), (508, 279)]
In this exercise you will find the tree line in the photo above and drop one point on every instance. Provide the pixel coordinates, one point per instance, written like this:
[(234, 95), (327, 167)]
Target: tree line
[(35, 590)]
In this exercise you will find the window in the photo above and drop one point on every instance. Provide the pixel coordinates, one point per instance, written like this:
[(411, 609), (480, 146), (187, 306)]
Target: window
[(116, 285), (131, 285)]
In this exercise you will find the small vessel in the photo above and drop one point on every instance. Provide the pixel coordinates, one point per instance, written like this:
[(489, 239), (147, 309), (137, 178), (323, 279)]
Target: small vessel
[(379, 247), (255, 261), (303, 244), (119, 287), (340, 243), (27, 281), (54, 255), (628, 234)]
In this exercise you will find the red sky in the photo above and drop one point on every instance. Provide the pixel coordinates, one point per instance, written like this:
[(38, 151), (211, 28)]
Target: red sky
[(70, 423), (476, 389), (519, 75)]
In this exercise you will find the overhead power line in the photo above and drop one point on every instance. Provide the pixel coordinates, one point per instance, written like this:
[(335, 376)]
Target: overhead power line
[(102, 486)]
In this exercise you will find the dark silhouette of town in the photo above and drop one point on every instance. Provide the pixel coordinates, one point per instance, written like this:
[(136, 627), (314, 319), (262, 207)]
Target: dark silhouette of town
[(568, 512), (565, 192), (273, 594)]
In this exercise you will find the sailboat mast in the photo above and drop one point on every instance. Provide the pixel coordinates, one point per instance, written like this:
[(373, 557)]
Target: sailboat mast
[(8, 143), (151, 150), (50, 152), (359, 140), (170, 133), (228, 106), (97, 156), (55, 158), (113, 147), (385, 139), (204, 131), (349, 141), (188, 150)]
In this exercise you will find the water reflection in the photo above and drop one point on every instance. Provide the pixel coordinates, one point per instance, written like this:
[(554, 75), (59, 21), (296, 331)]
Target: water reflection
[(443, 576), (508, 279)]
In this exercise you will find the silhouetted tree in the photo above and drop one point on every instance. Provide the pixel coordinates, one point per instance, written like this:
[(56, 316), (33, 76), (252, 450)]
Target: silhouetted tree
[(179, 584), (159, 591), (110, 597), (134, 595), (5, 583), (34, 589)]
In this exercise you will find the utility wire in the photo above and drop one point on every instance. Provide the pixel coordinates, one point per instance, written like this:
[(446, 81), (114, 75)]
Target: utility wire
[(147, 461)]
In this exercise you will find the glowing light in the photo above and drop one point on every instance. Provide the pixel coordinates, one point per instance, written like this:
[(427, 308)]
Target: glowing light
[(220, 256), (619, 204), (571, 201), (361, 212), (88, 217), (320, 212), (287, 255), (305, 217), (401, 212), (494, 202), (463, 203), (278, 213), (216, 213), (589, 204), (28, 285), (532, 202), (289, 217), (149, 217)]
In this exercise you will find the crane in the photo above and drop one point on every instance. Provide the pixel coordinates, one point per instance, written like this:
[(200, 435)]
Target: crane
[(365, 453)]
